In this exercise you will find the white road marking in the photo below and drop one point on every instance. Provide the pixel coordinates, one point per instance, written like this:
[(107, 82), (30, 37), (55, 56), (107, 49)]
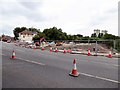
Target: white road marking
[(102, 78), (2, 54), (105, 63), (116, 65), (31, 61), (6, 47), (19, 50), (98, 77)]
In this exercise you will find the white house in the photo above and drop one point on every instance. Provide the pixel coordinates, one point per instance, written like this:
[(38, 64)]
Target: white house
[(104, 32), (26, 36), (97, 32)]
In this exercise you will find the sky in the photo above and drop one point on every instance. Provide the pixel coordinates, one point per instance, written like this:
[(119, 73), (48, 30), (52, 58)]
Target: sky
[(72, 16)]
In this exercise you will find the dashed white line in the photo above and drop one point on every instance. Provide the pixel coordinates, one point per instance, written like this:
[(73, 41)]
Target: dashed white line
[(116, 65), (31, 61), (102, 78), (106, 63), (97, 77), (2, 54), (19, 50)]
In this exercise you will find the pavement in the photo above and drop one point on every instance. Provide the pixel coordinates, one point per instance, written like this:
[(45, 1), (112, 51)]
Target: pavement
[(44, 69), (94, 54)]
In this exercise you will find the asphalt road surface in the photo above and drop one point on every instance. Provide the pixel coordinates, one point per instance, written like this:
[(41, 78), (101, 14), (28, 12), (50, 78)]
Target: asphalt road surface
[(44, 69)]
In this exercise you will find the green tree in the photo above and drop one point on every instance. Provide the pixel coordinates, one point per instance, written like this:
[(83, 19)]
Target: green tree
[(79, 35), (34, 30), (54, 34), (23, 28), (16, 32), (100, 35), (117, 45), (38, 36), (110, 36), (94, 35)]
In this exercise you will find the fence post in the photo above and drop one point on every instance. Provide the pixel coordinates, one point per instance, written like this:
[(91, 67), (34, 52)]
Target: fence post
[(114, 42), (96, 48)]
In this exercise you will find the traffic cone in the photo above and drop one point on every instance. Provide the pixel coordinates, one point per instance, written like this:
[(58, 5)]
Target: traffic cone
[(110, 55), (74, 71), (34, 47), (13, 55), (69, 51), (89, 52), (51, 49), (43, 48), (64, 51), (56, 50)]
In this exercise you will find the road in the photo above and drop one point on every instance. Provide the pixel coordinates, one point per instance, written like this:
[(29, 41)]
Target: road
[(44, 69)]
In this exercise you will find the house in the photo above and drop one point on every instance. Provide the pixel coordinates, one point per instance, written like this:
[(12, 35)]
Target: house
[(104, 32), (6, 38), (97, 32), (26, 36)]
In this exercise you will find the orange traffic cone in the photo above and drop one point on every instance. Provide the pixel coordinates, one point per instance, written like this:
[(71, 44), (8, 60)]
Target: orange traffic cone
[(56, 50), (51, 49), (110, 55), (69, 51), (34, 47), (13, 55), (43, 48), (64, 51), (74, 71), (89, 52)]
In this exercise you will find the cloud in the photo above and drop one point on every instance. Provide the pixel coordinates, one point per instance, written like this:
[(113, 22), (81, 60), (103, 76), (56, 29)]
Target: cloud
[(31, 5), (73, 16), (16, 9), (7, 30)]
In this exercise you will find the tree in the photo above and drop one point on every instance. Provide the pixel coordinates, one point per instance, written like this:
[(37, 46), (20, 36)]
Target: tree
[(23, 28), (117, 45), (79, 35), (100, 35), (34, 30), (38, 36), (16, 32), (94, 35), (54, 34), (110, 36), (70, 37)]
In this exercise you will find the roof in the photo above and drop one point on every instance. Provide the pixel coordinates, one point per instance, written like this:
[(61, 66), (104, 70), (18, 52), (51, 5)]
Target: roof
[(28, 32), (96, 30), (8, 37)]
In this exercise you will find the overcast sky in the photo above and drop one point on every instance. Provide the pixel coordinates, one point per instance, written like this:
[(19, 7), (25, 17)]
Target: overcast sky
[(72, 16)]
